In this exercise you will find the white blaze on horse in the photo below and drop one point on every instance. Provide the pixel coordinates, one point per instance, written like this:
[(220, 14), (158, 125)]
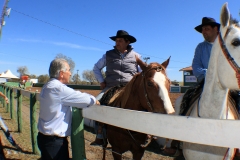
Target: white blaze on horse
[(223, 74)]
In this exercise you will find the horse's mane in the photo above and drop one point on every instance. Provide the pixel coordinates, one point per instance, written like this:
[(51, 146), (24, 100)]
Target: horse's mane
[(120, 98)]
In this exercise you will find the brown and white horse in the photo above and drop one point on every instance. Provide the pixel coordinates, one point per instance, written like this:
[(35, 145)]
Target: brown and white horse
[(147, 91)]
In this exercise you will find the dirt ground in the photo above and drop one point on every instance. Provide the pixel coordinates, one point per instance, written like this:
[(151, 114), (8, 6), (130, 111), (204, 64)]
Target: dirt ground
[(92, 152)]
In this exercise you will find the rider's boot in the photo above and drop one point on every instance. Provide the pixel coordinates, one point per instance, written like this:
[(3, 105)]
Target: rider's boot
[(100, 139)]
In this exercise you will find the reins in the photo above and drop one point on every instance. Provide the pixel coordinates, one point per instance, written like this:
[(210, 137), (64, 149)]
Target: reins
[(198, 108), (135, 141), (228, 56)]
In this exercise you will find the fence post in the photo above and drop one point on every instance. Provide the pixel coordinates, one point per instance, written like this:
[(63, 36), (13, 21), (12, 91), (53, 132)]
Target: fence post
[(4, 92), (33, 123), (77, 135), (19, 110), (8, 96), (12, 103), (1, 90)]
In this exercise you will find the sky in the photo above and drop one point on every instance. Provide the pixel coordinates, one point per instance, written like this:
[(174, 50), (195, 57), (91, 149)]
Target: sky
[(37, 30)]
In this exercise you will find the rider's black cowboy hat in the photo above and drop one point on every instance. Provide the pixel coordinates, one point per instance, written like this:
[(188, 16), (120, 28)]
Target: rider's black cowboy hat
[(123, 34), (207, 21)]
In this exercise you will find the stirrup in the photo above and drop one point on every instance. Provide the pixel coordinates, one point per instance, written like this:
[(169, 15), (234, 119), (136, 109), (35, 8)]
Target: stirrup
[(148, 141), (176, 153)]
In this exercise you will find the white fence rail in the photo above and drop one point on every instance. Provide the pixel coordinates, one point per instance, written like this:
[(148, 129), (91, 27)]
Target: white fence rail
[(213, 132)]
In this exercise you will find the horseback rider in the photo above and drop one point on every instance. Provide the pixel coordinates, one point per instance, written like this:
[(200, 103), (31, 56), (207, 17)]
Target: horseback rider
[(120, 66), (209, 29)]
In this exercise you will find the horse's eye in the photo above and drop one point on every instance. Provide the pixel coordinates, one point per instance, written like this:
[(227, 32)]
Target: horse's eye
[(159, 69), (236, 42), (150, 84)]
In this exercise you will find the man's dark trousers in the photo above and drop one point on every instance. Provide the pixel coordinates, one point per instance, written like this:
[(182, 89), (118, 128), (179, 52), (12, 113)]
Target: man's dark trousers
[(53, 147)]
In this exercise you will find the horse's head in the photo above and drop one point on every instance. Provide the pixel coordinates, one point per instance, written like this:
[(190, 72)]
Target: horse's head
[(156, 87), (228, 43)]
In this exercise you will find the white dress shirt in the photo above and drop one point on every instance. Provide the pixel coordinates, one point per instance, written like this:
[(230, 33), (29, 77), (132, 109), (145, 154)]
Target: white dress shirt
[(55, 115)]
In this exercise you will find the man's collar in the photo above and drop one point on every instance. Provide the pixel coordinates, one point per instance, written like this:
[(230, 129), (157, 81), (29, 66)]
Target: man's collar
[(129, 48), (208, 42)]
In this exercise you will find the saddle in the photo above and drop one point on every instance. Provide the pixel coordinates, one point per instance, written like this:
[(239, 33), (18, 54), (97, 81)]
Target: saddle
[(109, 94), (190, 96)]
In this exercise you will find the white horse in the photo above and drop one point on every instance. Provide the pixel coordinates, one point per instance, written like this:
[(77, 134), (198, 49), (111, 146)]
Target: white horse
[(223, 74)]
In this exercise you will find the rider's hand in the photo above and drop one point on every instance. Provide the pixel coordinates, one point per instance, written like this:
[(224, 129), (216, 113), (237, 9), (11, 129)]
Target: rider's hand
[(102, 85), (97, 102)]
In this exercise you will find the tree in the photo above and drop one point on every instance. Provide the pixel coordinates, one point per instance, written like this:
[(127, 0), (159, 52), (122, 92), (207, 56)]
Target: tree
[(43, 78), (175, 83), (89, 76), (32, 76), (22, 70), (76, 79), (103, 73), (68, 59)]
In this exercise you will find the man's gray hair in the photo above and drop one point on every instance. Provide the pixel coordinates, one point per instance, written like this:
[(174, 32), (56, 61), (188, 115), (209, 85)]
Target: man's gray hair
[(56, 66)]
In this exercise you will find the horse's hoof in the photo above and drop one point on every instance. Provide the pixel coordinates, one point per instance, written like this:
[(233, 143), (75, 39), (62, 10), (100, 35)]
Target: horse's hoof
[(97, 142)]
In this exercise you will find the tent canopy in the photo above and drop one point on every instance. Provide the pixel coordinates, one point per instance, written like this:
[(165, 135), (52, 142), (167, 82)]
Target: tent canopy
[(8, 74)]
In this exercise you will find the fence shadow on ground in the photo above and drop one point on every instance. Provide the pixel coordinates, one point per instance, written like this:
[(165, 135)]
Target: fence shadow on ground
[(152, 147)]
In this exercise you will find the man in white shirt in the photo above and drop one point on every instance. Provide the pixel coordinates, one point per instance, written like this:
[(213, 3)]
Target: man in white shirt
[(55, 114)]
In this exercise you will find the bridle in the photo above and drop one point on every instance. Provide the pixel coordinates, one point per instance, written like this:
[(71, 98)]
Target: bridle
[(228, 56), (158, 69)]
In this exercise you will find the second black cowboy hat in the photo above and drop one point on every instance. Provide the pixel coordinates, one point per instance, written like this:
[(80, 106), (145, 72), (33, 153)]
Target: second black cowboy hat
[(123, 34), (206, 21)]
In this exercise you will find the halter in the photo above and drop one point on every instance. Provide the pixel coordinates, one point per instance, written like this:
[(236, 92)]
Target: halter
[(229, 58), (158, 69)]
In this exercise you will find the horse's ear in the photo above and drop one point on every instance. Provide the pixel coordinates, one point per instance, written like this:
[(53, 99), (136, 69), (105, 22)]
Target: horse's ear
[(142, 65), (165, 64), (225, 16)]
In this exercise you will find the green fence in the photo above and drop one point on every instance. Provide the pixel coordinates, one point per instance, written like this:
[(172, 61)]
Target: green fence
[(77, 135), (74, 86), (16, 84)]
